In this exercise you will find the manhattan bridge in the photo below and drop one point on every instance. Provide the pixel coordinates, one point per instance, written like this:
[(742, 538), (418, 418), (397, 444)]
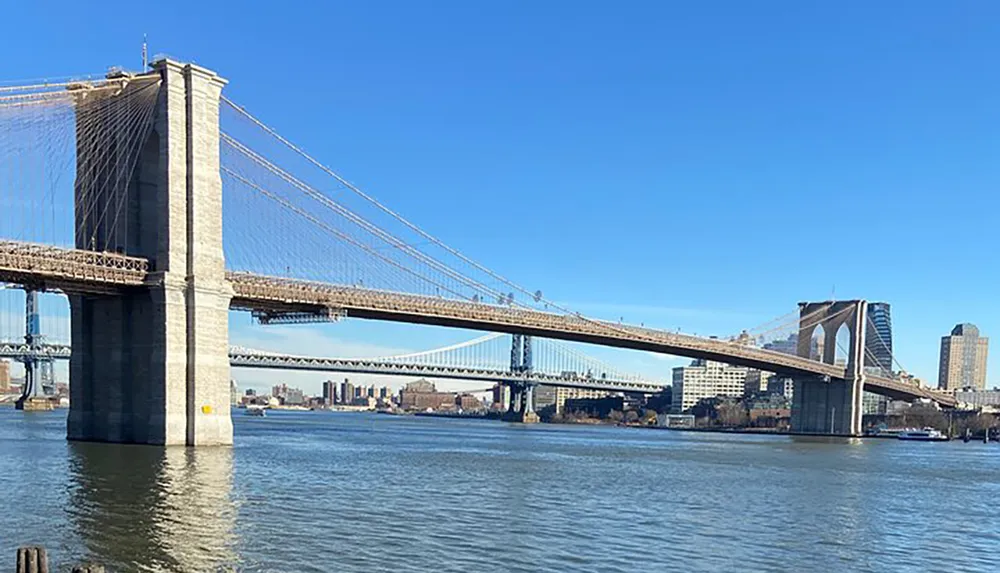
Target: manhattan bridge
[(155, 206)]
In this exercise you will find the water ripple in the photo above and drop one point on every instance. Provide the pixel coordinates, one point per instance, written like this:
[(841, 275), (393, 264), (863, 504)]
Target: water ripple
[(358, 493)]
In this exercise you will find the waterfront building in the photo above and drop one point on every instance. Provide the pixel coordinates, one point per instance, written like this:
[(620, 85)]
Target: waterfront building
[(874, 404), (545, 396), (288, 395), (975, 399), (234, 393), (427, 400), (420, 385), (501, 396), (468, 402), (963, 359), (4, 377), (365, 401), (564, 394), (878, 337), (755, 382), (675, 420), (423, 395), (781, 385), (662, 401), (279, 390), (706, 379), (329, 392), (294, 397), (346, 392), (767, 409), (595, 407)]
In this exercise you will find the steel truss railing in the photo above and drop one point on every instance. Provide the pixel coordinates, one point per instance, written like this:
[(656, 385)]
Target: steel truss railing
[(29, 262)]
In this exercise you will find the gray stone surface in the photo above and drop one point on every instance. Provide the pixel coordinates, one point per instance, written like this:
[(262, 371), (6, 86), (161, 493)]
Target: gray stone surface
[(831, 406), (152, 367)]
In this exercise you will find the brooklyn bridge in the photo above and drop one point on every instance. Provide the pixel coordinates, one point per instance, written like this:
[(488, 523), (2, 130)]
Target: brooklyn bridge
[(158, 206)]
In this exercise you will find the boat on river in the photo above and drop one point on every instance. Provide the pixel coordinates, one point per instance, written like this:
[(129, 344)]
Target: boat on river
[(255, 410), (924, 435)]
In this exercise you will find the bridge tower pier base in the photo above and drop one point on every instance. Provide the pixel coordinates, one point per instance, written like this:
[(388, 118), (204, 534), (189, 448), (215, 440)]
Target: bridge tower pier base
[(522, 394), (528, 415), (152, 366), (33, 396), (522, 405), (821, 405)]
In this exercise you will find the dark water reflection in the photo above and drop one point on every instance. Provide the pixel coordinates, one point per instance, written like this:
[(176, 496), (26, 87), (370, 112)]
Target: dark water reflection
[(155, 509), (320, 491)]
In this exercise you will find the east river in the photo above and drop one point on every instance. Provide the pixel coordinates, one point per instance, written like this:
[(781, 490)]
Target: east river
[(318, 491)]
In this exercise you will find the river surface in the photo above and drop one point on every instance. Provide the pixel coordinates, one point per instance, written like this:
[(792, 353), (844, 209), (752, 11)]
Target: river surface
[(321, 491)]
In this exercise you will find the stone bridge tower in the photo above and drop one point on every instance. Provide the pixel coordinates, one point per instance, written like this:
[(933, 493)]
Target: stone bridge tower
[(151, 366), (831, 405)]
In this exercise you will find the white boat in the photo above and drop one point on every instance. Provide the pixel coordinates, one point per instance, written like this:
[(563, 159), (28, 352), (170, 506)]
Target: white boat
[(255, 410), (925, 435)]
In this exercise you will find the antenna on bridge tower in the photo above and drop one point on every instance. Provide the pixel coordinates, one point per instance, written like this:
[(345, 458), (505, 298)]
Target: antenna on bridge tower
[(145, 59)]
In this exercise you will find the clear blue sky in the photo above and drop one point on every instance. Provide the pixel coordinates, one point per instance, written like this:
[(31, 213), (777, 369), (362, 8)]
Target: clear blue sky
[(703, 165)]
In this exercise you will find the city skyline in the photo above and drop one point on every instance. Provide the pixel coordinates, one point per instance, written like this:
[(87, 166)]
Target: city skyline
[(660, 139), (431, 286)]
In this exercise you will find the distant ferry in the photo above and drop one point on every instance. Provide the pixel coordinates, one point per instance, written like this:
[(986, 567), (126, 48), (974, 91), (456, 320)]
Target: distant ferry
[(255, 410), (925, 435)]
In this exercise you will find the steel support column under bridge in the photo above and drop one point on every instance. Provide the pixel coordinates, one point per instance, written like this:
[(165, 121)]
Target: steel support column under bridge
[(37, 367), (151, 365), (822, 405), (522, 393)]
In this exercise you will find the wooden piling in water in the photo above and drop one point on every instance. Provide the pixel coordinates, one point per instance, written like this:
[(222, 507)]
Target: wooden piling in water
[(32, 559)]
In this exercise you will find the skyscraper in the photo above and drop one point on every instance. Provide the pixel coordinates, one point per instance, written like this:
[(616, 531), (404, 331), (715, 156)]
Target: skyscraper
[(963, 359), (346, 392), (878, 337), (329, 392)]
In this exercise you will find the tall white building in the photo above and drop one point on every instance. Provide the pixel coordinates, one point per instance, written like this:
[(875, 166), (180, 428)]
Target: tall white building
[(963, 359), (706, 379)]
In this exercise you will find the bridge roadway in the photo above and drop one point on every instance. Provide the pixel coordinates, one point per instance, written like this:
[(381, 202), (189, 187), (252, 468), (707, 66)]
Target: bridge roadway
[(75, 270), (248, 358)]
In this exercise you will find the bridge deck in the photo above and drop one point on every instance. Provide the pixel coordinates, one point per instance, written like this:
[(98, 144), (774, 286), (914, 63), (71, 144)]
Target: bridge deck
[(260, 292), (74, 270)]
